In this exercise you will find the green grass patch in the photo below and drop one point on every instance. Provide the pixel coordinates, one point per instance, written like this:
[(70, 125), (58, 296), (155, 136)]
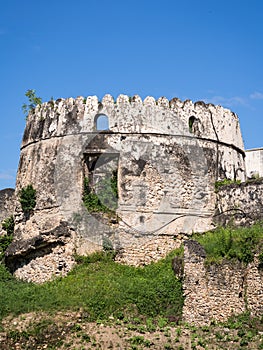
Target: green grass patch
[(225, 182), (232, 243), (101, 288)]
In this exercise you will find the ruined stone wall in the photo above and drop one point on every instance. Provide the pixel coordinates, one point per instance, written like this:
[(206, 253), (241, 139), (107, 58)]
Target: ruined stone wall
[(168, 156), (218, 291), (240, 204)]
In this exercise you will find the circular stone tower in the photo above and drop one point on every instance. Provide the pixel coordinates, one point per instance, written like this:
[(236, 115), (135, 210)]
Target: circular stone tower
[(131, 175)]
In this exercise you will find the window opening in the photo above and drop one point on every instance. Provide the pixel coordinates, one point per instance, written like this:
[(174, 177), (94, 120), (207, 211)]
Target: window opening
[(102, 122), (191, 121), (101, 182)]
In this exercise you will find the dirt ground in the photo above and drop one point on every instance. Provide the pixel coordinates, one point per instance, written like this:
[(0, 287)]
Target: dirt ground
[(73, 331)]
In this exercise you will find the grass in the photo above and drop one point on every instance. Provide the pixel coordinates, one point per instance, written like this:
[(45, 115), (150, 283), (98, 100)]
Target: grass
[(233, 243), (225, 182), (137, 301), (101, 288)]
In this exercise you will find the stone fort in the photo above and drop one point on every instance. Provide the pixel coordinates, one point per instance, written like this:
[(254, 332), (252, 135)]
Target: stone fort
[(165, 158)]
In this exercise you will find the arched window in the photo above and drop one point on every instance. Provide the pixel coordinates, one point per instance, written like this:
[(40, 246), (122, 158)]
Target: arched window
[(101, 122), (191, 121)]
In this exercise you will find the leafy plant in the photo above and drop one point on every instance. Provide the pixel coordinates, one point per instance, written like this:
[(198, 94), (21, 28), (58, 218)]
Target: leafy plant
[(139, 340), (5, 241), (8, 225), (33, 101), (103, 198), (27, 198)]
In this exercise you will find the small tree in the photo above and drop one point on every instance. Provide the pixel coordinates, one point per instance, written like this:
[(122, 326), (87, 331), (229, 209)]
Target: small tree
[(33, 101), (27, 198)]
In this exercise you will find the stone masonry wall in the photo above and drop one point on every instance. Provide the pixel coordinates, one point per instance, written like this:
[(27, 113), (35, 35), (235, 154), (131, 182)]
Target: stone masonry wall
[(217, 291), (241, 204), (168, 155)]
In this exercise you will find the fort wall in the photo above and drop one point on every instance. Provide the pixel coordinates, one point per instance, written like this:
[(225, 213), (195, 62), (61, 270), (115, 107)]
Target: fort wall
[(215, 292), (240, 204), (167, 154)]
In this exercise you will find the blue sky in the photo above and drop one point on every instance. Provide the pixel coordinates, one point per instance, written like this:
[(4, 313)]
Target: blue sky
[(195, 49)]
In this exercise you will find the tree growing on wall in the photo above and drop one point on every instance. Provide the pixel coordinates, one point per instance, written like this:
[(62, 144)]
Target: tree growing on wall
[(33, 101)]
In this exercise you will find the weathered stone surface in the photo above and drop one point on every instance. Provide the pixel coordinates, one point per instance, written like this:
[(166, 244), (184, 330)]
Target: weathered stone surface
[(218, 291), (168, 156), (240, 204)]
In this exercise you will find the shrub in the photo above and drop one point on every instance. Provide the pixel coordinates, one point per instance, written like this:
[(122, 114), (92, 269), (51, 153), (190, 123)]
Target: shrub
[(27, 198), (8, 225), (5, 241)]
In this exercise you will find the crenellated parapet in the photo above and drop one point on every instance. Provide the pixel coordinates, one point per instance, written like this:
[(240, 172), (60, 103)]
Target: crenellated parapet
[(134, 115)]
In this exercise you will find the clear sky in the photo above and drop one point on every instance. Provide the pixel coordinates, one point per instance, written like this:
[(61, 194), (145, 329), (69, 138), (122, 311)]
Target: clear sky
[(191, 49)]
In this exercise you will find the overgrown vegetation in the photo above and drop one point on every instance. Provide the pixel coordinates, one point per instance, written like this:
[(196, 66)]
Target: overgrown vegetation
[(102, 198), (232, 243), (33, 101), (224, 182), (70, 330), (27, 198), (102, 288), (143, 305), (5, 240), (8, 225)]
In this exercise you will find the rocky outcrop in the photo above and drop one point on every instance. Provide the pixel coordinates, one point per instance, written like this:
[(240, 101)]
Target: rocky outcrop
[(43, 247)]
